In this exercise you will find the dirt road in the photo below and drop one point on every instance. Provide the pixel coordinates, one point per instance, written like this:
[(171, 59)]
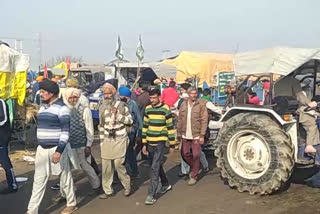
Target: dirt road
[(208, 196)]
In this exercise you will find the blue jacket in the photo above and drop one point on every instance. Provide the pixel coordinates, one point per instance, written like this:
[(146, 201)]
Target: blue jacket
[(136, 117)]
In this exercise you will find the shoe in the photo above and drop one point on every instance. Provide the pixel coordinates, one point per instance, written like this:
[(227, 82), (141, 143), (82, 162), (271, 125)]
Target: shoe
[(56, 186), (150, 200), (192, 181), (59, 199), (181, 175), (69, 210), (127, 192), (94, 192), (8, 191), (104, 196), (165, 189)]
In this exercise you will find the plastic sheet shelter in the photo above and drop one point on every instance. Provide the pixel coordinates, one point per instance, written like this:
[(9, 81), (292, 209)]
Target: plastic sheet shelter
[(163, 70), (278, 60), (13, 74), (200, 65)]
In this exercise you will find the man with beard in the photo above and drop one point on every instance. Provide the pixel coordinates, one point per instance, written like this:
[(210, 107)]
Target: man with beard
[(192, 126), (131, 161), (81, 136), (83, 100), (53, 135), (114, 121)]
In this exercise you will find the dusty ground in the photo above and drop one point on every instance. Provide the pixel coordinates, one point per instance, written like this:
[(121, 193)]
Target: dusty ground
[(208, 196)]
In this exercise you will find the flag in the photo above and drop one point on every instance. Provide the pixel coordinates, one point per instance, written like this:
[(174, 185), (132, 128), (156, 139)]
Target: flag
[(68, 67), (68, 62), (63, 66), (119, 53), (45, 71), (140, 50)]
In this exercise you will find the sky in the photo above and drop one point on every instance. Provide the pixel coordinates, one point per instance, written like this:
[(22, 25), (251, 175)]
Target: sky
[(89, 28)]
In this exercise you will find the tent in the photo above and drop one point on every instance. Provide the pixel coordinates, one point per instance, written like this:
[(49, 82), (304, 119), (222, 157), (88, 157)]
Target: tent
[(13, 74), (278, 60), (163, 70), (200, 65)]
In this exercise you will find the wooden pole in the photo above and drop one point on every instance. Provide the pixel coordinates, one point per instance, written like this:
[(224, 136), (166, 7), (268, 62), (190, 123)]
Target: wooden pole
[(138, 77)]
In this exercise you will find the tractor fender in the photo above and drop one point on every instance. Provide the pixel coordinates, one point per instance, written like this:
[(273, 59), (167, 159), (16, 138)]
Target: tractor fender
[(270, 112), (289, 126)]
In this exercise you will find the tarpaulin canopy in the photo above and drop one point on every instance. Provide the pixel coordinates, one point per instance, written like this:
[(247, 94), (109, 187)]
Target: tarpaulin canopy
[(278, 60), (200, 65), (60, 69), (13, 73), (163, 70)]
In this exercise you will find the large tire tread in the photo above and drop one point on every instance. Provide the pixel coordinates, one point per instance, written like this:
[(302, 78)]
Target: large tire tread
[(282, 152)]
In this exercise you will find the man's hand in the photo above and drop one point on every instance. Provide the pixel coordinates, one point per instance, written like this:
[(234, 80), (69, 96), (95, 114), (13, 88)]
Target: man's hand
[(114, 110), (201, 140), (144, 150), (56, 157), (87, 151), (313, 104), (171, 150)]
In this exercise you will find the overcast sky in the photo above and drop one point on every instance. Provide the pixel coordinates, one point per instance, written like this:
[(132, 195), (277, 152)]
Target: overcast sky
[(89, 28)]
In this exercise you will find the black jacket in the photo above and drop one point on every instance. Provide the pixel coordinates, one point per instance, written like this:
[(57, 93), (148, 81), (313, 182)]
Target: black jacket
[(5, 129)]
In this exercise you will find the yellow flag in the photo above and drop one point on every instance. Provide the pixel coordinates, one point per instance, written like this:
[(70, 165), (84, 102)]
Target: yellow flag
[(63, 65)]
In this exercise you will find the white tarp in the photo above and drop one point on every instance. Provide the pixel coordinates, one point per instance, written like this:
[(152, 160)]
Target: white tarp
[(279, 60), (12, 61), (163, 70)]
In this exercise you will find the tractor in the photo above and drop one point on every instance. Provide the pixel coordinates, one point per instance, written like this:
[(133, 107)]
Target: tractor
[(257, 146)]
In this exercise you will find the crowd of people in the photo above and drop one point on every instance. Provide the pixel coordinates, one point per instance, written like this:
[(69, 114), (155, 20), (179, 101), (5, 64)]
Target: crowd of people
[(142, 122)]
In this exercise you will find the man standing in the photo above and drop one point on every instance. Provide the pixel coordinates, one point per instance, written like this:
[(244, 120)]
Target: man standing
[(81, 136), (5, 133), (131, 161), (142, 100), (170, 95), (157, 130), (192, 126), (53, 135), (115, 119), (184, 95)]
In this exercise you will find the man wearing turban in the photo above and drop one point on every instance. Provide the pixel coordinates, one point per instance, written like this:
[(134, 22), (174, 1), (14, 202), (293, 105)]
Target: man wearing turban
[(115, 118), (81, 136)]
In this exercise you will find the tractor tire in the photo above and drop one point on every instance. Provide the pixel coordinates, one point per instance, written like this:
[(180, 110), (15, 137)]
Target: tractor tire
[(264, 134)]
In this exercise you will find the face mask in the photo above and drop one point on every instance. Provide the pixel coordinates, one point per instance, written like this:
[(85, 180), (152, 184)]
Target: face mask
[(124, 99)]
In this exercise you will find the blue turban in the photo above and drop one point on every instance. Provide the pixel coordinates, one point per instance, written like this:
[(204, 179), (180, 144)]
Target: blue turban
[(124, 91)]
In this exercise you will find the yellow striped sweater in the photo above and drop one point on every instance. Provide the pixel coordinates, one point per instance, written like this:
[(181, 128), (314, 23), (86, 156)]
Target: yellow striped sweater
[(158, 125)]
